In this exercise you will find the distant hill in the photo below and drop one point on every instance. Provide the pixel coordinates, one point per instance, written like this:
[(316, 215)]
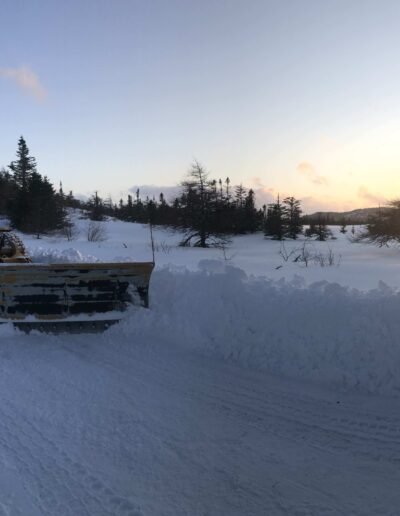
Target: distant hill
[(359, 216)]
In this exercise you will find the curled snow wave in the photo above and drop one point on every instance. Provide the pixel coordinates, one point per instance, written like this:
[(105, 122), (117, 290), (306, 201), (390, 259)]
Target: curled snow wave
[(323, 332)]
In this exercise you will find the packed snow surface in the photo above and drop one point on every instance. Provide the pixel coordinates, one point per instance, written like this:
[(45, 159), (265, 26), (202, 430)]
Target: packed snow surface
[(253, 385)]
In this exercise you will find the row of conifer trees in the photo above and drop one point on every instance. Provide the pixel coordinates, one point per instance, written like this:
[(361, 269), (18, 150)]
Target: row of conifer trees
[(28, 198), (206, 210)]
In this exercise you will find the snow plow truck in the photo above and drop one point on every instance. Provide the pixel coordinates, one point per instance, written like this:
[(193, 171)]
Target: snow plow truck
[(66, 297)]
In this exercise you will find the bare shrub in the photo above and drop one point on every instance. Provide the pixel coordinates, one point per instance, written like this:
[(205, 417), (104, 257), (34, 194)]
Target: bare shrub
[(327, 259), (96, 232), (285, 254), (307, 254), (304, 254), (224, 249), (319, 259), (161, 247), (70, 231), (332, 259)]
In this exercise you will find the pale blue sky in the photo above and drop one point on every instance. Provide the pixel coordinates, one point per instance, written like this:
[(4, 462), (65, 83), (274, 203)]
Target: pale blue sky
[(300, 97)]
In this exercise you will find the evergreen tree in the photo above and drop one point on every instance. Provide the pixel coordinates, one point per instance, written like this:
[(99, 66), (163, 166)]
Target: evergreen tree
[(29, 199), (382, 228), (23, 166), (227, 183), (319, 229), (274, 224), (251, 215), (292, 217), (197, 209), (240, 194), (44, 206), (7, 191), (96, 208), (71, 202), (239, 222), (221, 193)]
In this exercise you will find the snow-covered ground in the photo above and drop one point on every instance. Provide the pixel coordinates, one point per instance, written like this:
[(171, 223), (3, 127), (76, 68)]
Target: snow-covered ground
[(358, 265), (252, 386)]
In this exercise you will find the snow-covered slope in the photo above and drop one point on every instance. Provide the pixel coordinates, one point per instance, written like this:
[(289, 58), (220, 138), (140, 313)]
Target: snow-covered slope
[(245, 389)]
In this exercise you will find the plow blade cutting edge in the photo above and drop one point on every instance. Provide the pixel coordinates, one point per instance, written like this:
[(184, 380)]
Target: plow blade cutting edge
[(73, 297)]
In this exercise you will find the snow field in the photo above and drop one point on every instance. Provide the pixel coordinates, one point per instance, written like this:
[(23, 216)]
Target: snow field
[(184, 409), (337, 325)]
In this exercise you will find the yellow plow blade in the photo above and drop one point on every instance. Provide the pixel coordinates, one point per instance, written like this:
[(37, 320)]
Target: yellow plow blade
[(61, 293)]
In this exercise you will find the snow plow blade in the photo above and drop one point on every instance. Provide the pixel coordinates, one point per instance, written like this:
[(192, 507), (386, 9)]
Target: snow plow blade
[(73, 297)]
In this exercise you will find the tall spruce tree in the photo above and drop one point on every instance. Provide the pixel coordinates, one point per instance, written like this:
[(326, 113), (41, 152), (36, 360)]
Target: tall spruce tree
[(23, 166), (238, 209), (292, 217), (96, 208), (34, 205), (252, 216), (274, 223)]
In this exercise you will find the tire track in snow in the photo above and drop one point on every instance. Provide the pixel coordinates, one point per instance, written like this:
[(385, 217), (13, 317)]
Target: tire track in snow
[(233, 441), (61, 484), (336, 425), (297, 418)]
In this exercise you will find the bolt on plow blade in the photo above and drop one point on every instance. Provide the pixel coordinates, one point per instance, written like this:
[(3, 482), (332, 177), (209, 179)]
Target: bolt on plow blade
[(74, 297)]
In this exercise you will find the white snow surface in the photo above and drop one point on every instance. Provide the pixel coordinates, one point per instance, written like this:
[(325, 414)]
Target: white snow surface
[(245, 389)]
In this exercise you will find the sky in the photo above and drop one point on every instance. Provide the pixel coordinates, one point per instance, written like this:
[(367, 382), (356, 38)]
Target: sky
[(286, 97)]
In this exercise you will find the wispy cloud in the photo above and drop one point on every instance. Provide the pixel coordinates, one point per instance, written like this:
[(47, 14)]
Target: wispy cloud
[(365, 194), (307, 169), (257, 182), (264, 194), (27, 80)]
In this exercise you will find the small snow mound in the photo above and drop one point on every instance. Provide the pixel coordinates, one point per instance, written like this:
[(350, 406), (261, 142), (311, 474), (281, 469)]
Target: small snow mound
[(7, 329)]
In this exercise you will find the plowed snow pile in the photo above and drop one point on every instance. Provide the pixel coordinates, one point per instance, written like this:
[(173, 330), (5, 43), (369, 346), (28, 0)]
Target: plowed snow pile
[(323, 332)]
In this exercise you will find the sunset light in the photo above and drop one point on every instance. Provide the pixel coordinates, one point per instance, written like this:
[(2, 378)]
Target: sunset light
[(200, 257), (252, 90)]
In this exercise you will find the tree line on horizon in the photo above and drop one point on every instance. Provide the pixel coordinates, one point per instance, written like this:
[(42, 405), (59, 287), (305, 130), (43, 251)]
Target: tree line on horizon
[(207, 211)]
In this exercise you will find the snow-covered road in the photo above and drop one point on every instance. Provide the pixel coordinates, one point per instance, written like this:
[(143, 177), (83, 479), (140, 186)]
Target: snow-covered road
[(115, 427)]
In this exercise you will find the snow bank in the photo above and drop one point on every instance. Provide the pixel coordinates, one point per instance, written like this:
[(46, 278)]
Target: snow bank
[(48, 255), (323, 332)]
